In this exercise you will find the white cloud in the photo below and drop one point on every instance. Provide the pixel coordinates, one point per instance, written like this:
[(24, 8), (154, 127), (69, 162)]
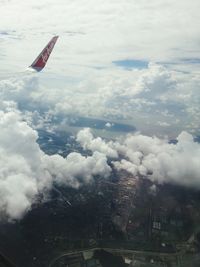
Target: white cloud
[(155, 158), (168, 162), (21, 165), (108, 124), (26, 171), (87, 140), (126, 165), (77, 169), (156, 82)]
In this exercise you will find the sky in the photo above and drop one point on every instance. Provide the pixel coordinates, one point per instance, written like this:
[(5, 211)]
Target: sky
[(136, 61), (131, 62)]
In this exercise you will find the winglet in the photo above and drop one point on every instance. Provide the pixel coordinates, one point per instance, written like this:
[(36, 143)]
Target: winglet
[(40, 62)]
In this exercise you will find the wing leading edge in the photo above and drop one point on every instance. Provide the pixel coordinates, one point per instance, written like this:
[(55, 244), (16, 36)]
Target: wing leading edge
[(40, 62)]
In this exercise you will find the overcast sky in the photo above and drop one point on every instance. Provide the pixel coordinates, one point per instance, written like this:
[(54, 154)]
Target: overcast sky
[(133, 61)]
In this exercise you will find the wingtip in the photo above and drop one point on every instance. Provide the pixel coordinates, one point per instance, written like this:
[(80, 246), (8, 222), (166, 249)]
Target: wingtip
[(40, 62)]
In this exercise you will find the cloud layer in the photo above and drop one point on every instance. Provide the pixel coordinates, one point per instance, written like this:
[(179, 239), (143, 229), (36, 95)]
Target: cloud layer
[(155, 31), (86, 79), (155, 100)]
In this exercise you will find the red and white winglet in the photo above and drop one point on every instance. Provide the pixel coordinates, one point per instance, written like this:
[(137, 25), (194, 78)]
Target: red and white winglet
[(40, 62)]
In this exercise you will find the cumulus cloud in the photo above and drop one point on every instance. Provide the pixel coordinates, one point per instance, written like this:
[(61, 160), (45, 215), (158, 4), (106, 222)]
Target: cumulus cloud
[(176, 163), (155, 158), (108, 124), (155, 83), (21, 165), (26, 171), (77, 169), (87, 140)]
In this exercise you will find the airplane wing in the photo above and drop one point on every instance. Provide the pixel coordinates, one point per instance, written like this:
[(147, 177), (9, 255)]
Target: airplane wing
[(40, 62)]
